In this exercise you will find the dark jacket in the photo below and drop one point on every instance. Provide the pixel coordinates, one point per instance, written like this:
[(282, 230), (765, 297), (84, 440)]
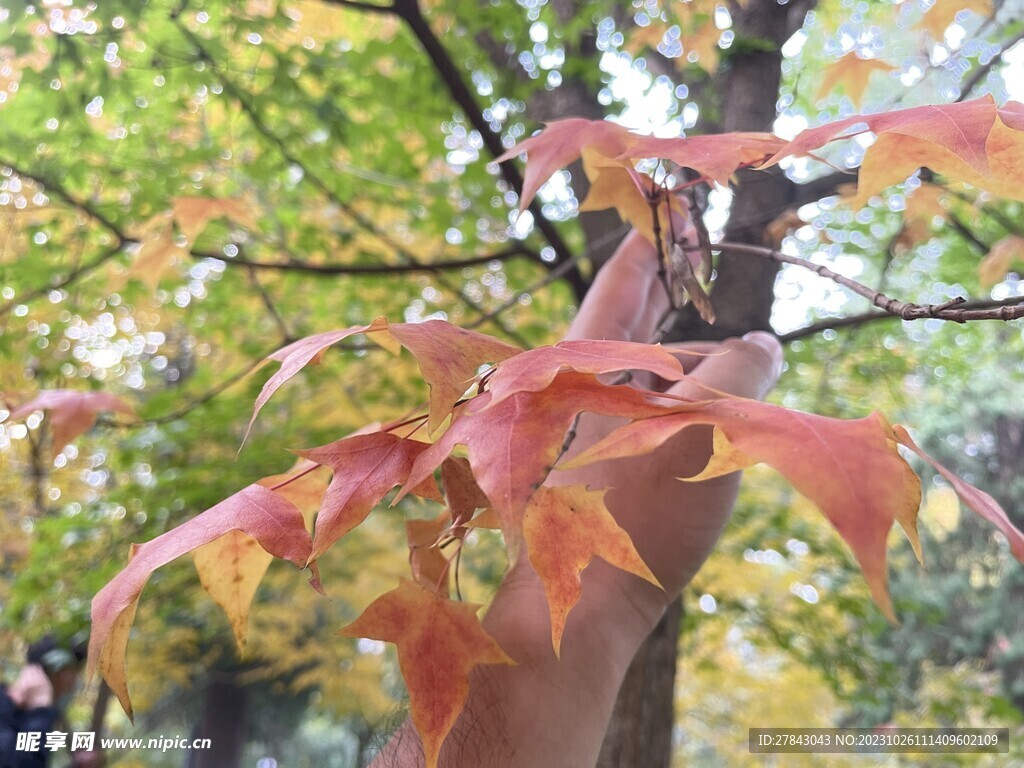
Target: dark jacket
[(14, 721)]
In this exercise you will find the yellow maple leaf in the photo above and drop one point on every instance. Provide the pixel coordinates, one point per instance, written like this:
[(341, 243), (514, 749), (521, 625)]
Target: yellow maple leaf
[(703, 43), (851, 73), (943, 13), (1000, 260)]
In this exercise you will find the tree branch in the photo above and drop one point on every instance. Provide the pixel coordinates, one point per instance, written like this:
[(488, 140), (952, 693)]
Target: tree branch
[(364, 223), (69, 278), (188, 407), (53, 186), (367, 7), (514, 251), (870, 317), (984, 69), (952, 310), (410, 12)]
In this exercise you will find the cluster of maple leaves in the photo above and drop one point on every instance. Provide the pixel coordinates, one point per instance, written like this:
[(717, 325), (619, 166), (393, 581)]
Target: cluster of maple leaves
[(511, 411)]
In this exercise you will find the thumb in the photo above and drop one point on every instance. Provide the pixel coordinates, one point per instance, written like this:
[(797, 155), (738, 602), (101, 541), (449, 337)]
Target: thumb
[(747, 367)]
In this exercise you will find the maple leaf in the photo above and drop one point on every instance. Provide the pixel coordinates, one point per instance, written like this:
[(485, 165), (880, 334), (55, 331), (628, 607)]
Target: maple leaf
[(961, 128), (193, 214), (365, 468), (535, 369), (297, 355), (154, 258), (851, 73), (702, 41), (449, 358), (649, 36), (827, 460), (937, 19), (428, 564), (270, 519), (923, 206), (303, 485), (563, 141), (230, 569), (461, 491), (559, 145), (1000, 259), (715, 157), (972, 141), (979, 501), (512, 444), (71, 412), (564, 529), (614, 185), (778, 228), (439, 641), (161, 248)]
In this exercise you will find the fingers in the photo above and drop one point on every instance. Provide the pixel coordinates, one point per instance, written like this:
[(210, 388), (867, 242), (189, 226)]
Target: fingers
[(748, 367), (626, 300)]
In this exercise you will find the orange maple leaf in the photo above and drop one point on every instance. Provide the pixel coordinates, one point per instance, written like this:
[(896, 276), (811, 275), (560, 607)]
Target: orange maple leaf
[(365, 468), (828, 460), (534, 370), (297, 355), (439, 641), (979, 501), (71, 412), (513, 444), (937, 19), (265, 516), (1000, 259), (972, 141), (851, 73), (449, 358), (564, 529)]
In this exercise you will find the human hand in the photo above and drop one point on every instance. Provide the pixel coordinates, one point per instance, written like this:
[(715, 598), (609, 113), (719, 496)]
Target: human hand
[(92, 758), (554, 711), (32, 689), (674, 524)]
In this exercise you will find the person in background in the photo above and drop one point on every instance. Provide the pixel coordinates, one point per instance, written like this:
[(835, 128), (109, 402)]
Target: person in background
[(34, 704)]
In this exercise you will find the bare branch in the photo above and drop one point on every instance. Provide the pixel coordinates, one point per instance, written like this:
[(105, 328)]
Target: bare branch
[(982, 72), (57, 189), (870, 317), (188, 407), (953, 310), (519, 250), (367, 7), (286, 336), (67, 279)]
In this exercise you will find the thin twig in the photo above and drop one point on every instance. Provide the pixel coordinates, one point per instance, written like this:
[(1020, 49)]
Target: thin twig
[(286, 336), (363, 222), (57, 189), (982, 72), (871, 317), (953, 310), (410, 12), (519, 250), (188, 407)]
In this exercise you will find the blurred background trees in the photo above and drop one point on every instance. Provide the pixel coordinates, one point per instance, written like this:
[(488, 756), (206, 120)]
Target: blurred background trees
[(187, 186)]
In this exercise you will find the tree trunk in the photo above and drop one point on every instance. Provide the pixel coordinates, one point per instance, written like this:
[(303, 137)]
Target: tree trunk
[(224, 723), (640, 732)]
